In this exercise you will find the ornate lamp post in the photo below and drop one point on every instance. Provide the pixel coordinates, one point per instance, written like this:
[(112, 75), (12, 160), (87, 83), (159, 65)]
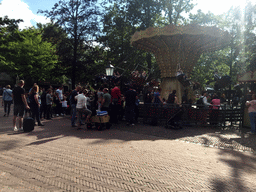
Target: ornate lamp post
[(109, 73)]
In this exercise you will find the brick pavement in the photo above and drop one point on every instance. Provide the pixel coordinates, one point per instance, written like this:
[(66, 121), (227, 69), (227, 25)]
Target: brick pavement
[(59, 158)]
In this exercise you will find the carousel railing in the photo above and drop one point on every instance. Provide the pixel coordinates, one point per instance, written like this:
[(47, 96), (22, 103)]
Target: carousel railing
[(192, 114)]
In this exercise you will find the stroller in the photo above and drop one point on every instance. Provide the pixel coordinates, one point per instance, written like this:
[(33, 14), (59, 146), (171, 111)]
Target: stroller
[(175, 121)]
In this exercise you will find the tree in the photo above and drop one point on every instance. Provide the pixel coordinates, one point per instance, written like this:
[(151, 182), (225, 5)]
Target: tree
[(8, 33), (54, 34), (124, 17), (79, 18), (234, 59), (29, 56), (174, 10)]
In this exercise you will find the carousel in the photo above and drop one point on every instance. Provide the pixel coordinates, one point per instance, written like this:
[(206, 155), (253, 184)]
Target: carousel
[(177, 49)]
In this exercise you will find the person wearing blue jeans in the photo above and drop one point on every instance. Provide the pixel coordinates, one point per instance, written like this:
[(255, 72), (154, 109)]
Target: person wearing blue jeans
[(252, 113), (73, 103), (34, 104), (252, 116), (7, 100)]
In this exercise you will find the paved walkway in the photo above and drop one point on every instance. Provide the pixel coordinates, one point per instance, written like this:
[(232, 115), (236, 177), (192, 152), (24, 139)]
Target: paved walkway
[(59, 158)]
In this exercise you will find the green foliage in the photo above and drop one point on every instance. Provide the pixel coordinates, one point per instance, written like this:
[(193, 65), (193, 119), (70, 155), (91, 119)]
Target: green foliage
[(79, 19), (8, 33), (9, 25), (174, 10), (55, 35), (29, 56), (241, 52), (121, 20)]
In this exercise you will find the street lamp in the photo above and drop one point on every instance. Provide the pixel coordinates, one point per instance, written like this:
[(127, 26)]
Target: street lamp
[(109, 72)]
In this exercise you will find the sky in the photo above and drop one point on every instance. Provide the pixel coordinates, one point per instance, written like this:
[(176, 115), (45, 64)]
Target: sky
[(27, 9)]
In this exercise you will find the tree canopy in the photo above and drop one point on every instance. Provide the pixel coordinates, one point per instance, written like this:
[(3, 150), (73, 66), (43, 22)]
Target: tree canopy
[(28, 56), (78, 25), (79, 19)]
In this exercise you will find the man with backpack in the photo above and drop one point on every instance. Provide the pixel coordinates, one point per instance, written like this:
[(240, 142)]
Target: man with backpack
[(172, 99), (202, 105), (202, 101)]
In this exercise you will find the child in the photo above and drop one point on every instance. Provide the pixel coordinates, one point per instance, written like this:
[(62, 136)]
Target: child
[(64, 105)]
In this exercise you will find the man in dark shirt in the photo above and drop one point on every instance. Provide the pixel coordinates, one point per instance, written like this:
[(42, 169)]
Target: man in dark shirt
[(130, 100), (20, 103), (73, 105)]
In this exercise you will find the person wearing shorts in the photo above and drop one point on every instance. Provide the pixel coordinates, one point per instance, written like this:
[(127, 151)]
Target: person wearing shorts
[(20, 103)]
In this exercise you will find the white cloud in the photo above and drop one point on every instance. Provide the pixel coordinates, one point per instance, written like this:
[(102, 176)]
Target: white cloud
[(218, 6), (16, 9)]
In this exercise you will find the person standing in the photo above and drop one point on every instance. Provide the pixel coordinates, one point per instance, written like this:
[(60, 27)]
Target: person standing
[(106, 100), (136, 110), (215, 110), (203, 108), (43, 106), (252, 113), (172, 99), (64, 105), (7, 100), (20, 103), (100, 97), (157, 98), (130, 102), (184, 99), (34, 104), (59, 93), (73, 103), (116, 103), (49, 104)]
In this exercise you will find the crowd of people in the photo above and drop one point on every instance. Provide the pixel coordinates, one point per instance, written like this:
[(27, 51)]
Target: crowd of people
[(40, 103)]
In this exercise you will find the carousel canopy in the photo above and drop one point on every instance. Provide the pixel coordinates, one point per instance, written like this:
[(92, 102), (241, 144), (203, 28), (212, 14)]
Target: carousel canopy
[(249, 76), (179, 45)]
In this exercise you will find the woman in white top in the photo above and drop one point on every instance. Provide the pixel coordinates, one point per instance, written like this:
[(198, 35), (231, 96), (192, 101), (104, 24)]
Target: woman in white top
[(81, 107)]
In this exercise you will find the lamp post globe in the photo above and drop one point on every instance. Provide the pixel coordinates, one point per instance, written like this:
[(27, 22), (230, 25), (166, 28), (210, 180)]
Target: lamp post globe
[(109, 73), (110, 70)]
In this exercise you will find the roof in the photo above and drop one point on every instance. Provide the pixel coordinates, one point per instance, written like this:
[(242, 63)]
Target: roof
[(249, 76)]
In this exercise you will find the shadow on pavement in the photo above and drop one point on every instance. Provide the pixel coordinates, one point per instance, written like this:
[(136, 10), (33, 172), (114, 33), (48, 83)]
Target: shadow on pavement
[(207, 136), (230, 140), (238, 163)]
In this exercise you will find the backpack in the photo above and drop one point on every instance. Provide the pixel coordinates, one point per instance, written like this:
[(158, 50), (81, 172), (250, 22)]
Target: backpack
[(200, 102)]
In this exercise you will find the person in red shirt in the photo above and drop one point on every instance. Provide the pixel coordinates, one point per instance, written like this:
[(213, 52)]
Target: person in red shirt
[(214, 114), (116, 103)]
